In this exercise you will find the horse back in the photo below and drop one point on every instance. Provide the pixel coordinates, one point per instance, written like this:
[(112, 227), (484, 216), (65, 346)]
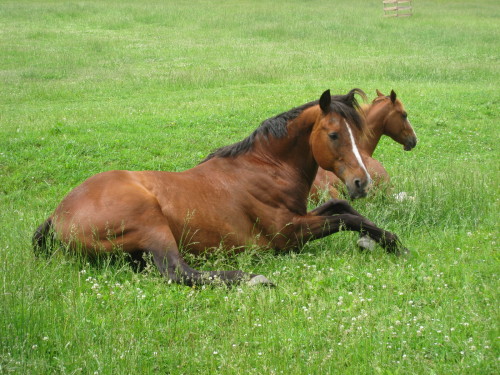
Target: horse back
[(121, 209)]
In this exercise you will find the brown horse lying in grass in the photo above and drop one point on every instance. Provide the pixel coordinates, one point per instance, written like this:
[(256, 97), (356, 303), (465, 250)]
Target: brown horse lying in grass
[(252, 192), (386, 115)]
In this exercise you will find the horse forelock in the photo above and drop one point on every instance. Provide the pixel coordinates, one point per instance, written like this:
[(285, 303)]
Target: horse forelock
[(349, 108)]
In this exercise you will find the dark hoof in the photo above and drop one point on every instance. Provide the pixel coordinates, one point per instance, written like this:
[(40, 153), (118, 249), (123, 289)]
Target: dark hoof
[(395, 246), (260, 280), (403, 252)]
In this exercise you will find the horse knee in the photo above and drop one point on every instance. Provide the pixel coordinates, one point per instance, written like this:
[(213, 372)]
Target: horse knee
[(341, 202), (341, 206)]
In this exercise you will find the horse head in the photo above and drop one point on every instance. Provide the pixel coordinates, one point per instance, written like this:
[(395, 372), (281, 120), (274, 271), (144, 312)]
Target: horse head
[(333, 143), (397, 126)]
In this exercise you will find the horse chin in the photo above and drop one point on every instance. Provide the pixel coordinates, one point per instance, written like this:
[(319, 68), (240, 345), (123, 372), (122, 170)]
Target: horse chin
[(357, 194)]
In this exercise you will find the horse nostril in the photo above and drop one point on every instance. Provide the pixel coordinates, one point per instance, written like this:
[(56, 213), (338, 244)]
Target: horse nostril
[(410, 144), (357, 182)]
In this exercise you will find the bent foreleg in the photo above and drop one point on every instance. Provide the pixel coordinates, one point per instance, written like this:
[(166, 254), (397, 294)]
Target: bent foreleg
[(310, 228)]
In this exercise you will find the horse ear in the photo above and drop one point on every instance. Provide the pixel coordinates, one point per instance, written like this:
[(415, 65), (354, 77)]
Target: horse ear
[(379, 93), (325, 101), (350, 97), (393, 97)]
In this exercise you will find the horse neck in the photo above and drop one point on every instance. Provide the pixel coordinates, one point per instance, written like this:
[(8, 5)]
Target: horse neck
[(375, 115), (292, 154)]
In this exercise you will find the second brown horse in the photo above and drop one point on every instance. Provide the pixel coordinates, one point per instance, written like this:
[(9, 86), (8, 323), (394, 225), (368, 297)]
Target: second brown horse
[(386, 115), (252, 192)]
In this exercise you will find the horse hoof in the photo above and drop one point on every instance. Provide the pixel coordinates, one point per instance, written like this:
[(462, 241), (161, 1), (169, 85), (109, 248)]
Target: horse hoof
[(260, 280), (366, 243), (403, 252)]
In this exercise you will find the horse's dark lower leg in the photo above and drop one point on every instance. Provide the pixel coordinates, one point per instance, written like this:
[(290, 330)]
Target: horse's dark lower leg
[(314, 227), (336, 207), (172, 266)]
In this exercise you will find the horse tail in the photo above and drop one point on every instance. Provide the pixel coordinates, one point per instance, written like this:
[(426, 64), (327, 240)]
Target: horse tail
[(43, 237)]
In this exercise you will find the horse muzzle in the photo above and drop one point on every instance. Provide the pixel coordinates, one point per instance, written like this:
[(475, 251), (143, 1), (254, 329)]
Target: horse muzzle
[(410, 144), (358, 188)]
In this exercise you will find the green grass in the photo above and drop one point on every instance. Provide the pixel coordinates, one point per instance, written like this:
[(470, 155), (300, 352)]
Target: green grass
[(92, 86)]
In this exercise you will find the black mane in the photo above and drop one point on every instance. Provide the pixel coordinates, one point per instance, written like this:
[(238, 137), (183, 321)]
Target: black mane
[(345, 105)]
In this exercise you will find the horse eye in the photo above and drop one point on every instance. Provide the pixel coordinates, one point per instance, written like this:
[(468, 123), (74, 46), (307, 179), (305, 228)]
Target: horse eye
[(404, 115), (333, 136)]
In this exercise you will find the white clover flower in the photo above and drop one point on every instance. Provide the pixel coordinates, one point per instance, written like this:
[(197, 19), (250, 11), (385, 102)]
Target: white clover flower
[(402, 196)]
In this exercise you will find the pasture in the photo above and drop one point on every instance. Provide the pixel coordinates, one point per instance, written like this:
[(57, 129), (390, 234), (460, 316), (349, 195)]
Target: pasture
[(91, 86)]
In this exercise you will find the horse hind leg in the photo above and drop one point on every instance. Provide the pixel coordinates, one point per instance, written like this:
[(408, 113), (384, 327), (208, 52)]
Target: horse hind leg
[(172, 265)]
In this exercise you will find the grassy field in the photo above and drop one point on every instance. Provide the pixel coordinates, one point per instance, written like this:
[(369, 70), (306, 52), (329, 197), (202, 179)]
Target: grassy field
[(90, 86)]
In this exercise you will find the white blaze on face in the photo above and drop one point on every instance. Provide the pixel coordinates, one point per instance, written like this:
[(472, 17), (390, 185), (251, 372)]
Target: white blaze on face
[(356, 152)]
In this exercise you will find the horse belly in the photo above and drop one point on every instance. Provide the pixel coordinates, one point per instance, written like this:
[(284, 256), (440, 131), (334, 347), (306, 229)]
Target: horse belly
[(206, 225)]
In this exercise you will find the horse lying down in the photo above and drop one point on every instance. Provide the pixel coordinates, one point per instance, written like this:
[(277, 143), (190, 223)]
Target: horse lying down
[(252, 192)]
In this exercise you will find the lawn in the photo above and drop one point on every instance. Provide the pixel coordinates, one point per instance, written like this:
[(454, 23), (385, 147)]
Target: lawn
[(91, 86)]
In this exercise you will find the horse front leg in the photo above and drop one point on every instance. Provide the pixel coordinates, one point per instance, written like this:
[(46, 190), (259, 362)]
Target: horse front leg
[(312, 227), (336, 207), (339, 206)]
